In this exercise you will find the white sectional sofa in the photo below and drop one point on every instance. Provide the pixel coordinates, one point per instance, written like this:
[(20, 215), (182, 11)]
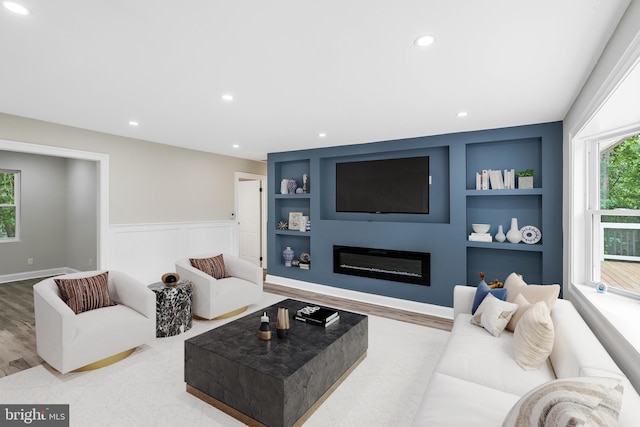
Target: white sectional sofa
[(477, 380)]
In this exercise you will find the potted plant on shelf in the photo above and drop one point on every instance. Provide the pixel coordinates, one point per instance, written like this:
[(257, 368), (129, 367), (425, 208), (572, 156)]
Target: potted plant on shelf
[(525, 178)]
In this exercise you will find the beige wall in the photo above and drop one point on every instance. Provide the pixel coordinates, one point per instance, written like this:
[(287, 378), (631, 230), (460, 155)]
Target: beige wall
[(148, 182)]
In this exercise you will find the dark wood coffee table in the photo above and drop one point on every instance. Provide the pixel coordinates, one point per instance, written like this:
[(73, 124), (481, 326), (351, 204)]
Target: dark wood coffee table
[(278, 382)]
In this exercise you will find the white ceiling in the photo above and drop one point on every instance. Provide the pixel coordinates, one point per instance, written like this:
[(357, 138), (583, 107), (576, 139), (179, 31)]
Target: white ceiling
[(297, 67)]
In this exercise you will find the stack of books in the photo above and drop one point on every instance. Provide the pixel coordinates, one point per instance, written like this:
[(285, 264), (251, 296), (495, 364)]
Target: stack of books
[(317, 315), (495, 180), (480, 237)]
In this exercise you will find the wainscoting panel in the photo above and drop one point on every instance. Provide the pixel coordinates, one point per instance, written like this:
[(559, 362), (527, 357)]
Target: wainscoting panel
[(203, 239), (147, 251)]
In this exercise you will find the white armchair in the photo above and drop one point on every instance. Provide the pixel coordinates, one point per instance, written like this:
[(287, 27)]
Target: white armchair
[(69, 341), (217, 298)]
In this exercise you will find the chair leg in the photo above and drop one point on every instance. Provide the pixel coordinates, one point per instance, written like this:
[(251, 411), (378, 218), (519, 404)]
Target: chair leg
[(231, 313), (106, 361), (224, 316)]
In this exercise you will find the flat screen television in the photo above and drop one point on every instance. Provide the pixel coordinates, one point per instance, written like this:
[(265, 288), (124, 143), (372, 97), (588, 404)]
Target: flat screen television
[(383, 186)]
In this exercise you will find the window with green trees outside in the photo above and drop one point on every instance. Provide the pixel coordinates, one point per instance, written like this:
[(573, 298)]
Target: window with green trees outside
[(618, 214), (9, 218)]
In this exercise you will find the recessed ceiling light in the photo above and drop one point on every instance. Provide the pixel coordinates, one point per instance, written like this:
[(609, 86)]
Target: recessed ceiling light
[(322, 135), (462, 114), (235, 146), (16, 8), (133, 123), (424, 40), (227, 97)]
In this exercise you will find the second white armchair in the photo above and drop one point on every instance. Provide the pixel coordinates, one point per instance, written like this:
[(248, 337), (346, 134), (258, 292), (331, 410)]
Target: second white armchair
[(215, 298)]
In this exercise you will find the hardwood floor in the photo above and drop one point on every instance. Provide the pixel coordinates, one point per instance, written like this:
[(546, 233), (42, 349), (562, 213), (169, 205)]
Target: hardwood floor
[(18, 335), (17, 327), (361, 307), (625, 275)]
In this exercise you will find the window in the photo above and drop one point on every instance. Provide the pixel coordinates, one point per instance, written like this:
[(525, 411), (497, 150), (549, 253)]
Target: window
[(9, 205), (615, 213)]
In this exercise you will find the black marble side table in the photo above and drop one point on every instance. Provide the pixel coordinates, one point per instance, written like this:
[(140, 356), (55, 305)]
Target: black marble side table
[(174, 310)]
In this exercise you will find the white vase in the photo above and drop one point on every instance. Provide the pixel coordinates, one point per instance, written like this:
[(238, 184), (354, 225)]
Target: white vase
[(284, 186), (514, 235), (500, 237)]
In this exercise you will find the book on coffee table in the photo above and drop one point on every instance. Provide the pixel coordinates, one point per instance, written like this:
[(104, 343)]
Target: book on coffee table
[(317, 315), (325, 324)]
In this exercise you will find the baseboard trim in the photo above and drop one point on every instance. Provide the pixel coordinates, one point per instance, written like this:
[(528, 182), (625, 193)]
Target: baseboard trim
[(36, 274), (433, 313)]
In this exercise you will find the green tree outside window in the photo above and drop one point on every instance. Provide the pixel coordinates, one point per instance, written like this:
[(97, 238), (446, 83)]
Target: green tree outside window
[(7, 204), (620, 189), (620, 175)]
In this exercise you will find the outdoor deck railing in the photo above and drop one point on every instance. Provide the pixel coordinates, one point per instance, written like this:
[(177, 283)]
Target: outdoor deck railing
[(620, 241)]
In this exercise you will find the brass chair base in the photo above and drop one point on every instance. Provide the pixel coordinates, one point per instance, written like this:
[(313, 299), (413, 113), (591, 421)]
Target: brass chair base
[(226, 315), (106, 361)]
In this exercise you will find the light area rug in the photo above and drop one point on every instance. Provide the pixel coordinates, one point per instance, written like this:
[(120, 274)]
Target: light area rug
[(148, 388)]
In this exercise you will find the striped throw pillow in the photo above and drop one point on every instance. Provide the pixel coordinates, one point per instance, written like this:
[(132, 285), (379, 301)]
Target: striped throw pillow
[(533, 337), (85, 293), (213, 266)]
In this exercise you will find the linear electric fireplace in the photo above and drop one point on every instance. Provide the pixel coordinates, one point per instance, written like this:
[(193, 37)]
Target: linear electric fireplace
[(385, 264)]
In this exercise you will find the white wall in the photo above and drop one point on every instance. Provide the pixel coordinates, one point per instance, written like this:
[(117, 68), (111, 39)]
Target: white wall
[(147, 251)]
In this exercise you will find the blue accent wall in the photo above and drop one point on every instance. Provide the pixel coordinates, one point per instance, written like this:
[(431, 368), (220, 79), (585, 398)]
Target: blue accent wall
[(454, 205)]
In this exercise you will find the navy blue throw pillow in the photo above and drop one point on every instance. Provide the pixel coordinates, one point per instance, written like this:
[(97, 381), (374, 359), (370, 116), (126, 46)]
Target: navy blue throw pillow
[(482, 291)]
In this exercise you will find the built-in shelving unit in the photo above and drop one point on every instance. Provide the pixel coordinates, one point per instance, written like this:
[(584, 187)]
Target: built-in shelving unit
[(498, 207), (283, 204), (454, 204)]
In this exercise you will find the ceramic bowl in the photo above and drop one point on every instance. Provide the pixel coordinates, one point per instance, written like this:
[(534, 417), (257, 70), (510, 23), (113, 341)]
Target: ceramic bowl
[(480, 228)]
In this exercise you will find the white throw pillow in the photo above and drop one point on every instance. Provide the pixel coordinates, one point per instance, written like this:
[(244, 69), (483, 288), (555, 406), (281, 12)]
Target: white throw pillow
[(493, 314), (515, 286), (523, 306), (581, 401), (533, 337)]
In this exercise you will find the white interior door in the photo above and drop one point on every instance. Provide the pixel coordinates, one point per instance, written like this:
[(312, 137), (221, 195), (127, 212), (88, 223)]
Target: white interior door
[(249, 218)]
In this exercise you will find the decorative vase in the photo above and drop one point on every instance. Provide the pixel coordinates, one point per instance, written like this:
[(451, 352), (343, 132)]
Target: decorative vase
[(291, 186), (284, 186), (288, 255), (282, 322), (303, 223), (514, 235), (500, 237)]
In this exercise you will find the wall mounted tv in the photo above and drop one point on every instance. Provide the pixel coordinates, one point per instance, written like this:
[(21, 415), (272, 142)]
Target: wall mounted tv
[(398, 185)]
